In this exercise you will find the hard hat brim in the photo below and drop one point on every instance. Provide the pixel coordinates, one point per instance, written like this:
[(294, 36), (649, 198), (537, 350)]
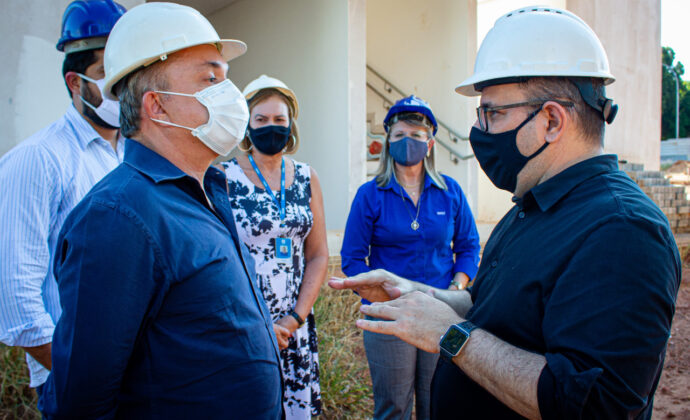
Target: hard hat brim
[(467, 87), (229, 50), (232, 48)]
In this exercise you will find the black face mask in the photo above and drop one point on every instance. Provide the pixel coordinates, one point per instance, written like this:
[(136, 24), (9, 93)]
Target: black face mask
[(498, 154), (270, 139)]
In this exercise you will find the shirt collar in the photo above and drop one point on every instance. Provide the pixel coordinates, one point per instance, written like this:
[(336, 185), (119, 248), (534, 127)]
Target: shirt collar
[(551, 191), (395, 186), (84, 132), (150, 163)]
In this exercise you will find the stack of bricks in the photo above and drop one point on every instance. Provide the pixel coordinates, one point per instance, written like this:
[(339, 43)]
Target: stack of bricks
[(672, 199)]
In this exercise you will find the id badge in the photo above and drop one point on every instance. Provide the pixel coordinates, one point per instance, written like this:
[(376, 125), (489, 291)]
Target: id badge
[(284, 248)]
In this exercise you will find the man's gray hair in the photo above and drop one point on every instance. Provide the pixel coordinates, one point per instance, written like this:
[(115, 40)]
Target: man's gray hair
[(130, 92)]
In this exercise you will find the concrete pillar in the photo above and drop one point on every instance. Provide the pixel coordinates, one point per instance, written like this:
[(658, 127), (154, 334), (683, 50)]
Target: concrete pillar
[(316, 48), (631, 33)]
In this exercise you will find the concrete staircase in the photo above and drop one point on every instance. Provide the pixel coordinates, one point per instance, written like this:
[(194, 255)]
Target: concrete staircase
[(672, 199)]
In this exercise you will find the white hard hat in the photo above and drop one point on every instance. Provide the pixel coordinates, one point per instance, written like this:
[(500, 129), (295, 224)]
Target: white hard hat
[(538, 41), (266, 82), (149, 32)]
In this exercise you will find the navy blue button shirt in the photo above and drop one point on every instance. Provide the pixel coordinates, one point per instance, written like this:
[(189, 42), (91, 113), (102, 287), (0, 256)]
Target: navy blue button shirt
[(585, 271), (161, 315), (378, 228)]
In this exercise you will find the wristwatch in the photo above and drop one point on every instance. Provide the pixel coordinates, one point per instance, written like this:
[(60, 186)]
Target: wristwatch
[(455, 339), (298, 318)]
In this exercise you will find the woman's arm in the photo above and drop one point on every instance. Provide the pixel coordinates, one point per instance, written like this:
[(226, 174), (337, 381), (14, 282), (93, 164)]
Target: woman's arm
[(465, 241), (358, 234), (316, 259)]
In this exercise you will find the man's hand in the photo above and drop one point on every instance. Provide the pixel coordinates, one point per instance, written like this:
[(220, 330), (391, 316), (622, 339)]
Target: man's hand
[(282, 334), (415, 318), (375, 286), (42, 354)]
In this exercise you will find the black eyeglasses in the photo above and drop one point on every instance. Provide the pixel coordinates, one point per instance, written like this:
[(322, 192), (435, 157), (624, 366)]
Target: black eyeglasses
[(484, 112)]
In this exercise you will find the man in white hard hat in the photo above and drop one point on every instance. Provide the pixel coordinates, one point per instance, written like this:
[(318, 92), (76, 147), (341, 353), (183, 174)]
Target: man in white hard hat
[(571, 309), (161, 315), (46, 175)]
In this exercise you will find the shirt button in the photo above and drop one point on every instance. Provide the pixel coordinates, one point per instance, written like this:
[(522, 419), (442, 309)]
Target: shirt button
[(521, 215), (494, 263)]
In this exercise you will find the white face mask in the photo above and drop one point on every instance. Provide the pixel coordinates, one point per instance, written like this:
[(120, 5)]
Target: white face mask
[(108, 110), (228, 116)]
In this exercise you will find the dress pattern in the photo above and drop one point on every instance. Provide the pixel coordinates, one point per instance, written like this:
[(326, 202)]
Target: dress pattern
[(258, 224)]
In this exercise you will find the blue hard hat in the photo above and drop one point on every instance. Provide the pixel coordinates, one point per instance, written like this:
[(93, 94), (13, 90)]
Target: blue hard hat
[(410, 104), (85, 20)]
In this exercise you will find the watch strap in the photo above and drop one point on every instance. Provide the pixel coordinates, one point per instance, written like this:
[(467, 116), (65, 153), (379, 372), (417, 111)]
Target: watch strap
[(298, 318)]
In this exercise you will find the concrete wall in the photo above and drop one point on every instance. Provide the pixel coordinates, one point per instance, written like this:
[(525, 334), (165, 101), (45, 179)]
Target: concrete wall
[(631, 33), (306, 43), (492, 202), (426, 49), (32, 91)]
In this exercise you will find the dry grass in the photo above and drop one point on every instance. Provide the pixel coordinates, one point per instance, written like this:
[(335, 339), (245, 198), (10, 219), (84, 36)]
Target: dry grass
[(17, 400), (345, 382)]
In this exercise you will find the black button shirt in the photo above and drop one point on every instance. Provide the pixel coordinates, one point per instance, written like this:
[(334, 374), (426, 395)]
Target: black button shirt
[(584, 270)]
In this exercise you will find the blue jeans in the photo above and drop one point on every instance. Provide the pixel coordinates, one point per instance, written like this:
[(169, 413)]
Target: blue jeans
[(399, 372)]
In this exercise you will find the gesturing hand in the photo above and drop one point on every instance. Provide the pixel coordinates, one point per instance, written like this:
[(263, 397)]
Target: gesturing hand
[(415, 318), (374, 286)]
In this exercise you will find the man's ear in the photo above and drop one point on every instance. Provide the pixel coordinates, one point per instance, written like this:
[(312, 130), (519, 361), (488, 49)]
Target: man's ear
[(557, 121), (152, 107), (73, 82)]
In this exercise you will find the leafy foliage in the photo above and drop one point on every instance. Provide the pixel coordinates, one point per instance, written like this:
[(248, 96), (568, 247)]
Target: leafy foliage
[(668, 96)]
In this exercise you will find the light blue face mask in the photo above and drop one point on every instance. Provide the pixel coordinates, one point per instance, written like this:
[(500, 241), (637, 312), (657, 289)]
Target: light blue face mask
[(408, 151)]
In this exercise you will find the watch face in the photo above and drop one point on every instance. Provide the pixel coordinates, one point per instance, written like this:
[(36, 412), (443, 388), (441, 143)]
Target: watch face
[(454, 340)]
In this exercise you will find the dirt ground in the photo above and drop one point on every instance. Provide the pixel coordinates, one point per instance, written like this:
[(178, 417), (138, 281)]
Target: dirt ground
[(672, 399)]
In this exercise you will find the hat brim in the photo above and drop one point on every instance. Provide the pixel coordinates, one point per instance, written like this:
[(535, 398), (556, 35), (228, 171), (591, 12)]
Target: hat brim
[(232, 48)]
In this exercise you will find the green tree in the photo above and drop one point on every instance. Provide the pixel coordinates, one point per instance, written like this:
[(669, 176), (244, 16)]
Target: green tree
[(668, 96)]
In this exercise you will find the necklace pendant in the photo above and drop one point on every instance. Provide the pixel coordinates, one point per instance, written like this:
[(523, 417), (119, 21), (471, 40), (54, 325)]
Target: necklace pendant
[(414, 225)]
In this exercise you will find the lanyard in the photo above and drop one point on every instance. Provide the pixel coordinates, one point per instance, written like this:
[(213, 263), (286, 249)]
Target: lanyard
[(281, 204)]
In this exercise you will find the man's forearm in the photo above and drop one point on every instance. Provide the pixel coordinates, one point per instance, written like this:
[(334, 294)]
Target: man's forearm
[(459, 300), (507, 372), (41, 353)]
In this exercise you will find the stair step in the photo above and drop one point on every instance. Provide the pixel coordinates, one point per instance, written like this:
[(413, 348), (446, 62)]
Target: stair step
[(648, 182), (631, 166)]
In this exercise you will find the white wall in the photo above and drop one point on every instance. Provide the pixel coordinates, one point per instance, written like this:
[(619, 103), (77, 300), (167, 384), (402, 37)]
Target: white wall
[(492, 202), (630, 31), (426, 49), (305, 44), (32, 91)]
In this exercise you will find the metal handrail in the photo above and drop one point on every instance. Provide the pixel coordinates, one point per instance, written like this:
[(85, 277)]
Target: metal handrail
[(454, 136), (400, 92)]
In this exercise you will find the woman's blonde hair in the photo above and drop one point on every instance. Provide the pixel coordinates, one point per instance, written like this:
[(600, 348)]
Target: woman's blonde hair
[(293, 142), (385, 171)]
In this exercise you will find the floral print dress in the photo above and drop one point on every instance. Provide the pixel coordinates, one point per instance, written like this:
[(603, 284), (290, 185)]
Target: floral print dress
[(258, 224)]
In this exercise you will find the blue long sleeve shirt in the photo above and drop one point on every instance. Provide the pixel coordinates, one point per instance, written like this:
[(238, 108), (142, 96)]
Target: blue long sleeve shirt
[(161, 317), (379, 228)]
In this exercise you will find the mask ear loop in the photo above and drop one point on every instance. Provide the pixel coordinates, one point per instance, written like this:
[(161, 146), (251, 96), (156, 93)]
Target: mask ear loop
[(167, 122)]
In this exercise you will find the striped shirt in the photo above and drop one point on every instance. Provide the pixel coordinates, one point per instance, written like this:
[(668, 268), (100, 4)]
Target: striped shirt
[(42, 179)]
